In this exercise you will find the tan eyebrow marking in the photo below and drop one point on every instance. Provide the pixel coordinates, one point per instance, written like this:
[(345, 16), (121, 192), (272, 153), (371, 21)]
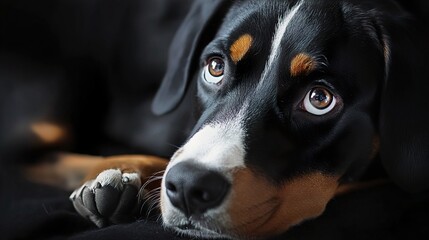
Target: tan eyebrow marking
[(240, 47), (302, 64)]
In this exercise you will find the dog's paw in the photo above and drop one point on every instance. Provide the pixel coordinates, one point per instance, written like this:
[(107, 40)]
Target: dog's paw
[(111, 198)]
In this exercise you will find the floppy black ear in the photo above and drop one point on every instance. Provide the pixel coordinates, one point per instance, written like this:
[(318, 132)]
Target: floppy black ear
[(198, 28), (404, 119)]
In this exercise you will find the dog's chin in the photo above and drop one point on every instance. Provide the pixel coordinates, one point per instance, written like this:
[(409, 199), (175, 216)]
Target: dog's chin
[(194, 231)]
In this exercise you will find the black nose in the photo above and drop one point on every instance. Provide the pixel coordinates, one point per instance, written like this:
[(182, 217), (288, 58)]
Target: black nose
[(194, 189)]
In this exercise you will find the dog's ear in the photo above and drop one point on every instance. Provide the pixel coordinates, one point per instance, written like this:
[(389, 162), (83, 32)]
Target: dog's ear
[(404, 113), (198, 28)]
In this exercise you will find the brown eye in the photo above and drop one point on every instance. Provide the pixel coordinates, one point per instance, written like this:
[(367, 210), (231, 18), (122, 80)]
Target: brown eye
[(216, 67), (214, 70), (319, 101), (320, 98)]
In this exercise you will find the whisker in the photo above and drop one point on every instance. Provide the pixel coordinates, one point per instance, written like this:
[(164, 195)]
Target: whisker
[(151, 180), (155, 205), (154, 191), (154, 177), (158, 173), (159, 219), (143, 194), (173, 145), (150, 199), (151, 208)]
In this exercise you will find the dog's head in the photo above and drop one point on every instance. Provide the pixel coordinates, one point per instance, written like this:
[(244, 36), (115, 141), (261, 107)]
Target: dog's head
[(293, 98)]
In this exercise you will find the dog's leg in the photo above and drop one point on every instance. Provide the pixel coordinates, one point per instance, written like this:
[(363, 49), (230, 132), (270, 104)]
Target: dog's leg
[(62, 170), (114, 188), (108, 190)]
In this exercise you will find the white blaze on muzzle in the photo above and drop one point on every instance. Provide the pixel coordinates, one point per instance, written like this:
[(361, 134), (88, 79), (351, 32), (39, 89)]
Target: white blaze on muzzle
[(217, 146)]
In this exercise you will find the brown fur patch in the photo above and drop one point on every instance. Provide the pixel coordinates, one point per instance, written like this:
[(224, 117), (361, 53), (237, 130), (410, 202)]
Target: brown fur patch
[(240, 47), (259, 208), (146, 166), (69, 171), (65, 171), (302, 65), (49, 133)]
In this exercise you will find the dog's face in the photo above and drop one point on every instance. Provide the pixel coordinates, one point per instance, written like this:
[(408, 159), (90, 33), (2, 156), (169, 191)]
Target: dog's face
[(288, 99)]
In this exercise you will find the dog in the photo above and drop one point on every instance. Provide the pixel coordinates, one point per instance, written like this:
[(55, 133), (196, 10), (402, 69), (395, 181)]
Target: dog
[(292, 99)]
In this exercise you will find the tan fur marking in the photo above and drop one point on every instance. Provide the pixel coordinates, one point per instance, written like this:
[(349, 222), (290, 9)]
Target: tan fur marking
[(240, 47), (259, 208), (252, 199), (49, 133), (302, 65), (353, 187)]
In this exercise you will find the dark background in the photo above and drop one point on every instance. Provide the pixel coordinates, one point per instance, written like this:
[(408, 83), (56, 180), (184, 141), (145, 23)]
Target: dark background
[(92, 66)]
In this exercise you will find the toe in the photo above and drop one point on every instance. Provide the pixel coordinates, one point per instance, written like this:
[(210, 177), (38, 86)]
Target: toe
[(107, 199), (127, 206)]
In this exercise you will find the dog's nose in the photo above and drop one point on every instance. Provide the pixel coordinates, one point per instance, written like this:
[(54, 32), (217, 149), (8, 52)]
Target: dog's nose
[(194, 189)]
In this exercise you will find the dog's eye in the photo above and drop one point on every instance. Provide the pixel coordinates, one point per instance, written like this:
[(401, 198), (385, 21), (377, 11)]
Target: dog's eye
[(214, 70), (319, 101)]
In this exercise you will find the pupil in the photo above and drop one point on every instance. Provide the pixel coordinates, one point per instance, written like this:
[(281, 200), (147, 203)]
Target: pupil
[(320, 98), (217, 66)]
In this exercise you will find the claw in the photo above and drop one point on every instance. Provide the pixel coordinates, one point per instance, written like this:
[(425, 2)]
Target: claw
[(125, 179)]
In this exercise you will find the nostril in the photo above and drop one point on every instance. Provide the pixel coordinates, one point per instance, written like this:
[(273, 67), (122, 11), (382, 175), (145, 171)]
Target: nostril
[(171, 187), (201, 196), (208, 191)]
